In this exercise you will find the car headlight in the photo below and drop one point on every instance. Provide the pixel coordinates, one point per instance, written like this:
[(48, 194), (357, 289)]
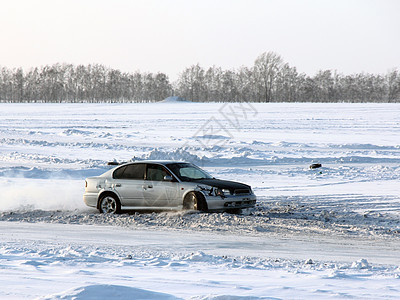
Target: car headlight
[(221, 192), (205, 188), (218, 192)]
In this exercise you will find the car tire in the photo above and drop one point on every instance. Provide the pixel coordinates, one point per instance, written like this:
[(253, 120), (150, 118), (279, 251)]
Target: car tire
[(234, 211), (194, 201), (109, 204)]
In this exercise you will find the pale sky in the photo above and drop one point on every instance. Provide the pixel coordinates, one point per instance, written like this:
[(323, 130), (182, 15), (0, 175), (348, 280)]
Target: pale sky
[(350, 36)]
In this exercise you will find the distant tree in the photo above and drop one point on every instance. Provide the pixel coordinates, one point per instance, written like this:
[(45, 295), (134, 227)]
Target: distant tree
[(287, 85), (393, 86), (212, 84), (162, 86), (229, 87), (191, 83), (246, 86), (324, 86), (266, 70), (18, 85)]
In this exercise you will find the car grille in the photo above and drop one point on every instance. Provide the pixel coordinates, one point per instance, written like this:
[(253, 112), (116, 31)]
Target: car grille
[(240, 204), (242, 192)]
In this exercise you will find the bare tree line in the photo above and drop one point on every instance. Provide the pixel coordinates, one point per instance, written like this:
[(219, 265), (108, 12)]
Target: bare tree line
[(270, 79), (91, 83), (273, 80)]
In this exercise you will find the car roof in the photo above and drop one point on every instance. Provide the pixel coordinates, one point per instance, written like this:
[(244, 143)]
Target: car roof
[(162, 162)]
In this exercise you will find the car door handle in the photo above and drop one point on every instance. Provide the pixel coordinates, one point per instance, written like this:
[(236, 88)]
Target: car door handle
[(150, 186), (117, 185)]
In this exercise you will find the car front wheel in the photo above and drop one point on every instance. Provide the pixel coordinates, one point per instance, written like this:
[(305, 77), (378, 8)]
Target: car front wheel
[(194, 201), (109, 205)]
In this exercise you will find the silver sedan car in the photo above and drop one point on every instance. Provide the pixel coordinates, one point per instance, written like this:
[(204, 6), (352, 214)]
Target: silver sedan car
[(164, 185)]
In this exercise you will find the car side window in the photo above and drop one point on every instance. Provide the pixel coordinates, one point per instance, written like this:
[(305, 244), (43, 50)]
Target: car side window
[(134, 171), (156, 173)]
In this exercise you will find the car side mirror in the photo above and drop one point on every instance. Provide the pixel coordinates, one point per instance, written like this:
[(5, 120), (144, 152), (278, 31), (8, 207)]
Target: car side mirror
[(167, 178)]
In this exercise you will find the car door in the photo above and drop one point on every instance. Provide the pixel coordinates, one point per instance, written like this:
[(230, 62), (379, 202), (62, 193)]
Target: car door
[(157, 191), (128, 182)]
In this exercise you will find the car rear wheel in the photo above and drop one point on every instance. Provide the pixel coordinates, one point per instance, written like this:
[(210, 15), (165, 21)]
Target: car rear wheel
[(109, 204), (194, 201)]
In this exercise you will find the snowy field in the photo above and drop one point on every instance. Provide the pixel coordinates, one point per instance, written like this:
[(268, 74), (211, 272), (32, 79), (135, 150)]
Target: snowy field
[(331, 232)]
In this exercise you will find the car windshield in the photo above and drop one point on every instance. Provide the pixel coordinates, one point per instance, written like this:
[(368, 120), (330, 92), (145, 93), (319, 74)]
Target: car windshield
[(188, 172)]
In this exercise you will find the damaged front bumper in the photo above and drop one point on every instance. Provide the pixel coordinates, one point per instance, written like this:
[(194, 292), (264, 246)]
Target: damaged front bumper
[(218, 203)]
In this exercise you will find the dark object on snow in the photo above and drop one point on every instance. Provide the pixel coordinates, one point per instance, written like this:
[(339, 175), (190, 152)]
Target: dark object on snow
[(315, 166), (309, 262)]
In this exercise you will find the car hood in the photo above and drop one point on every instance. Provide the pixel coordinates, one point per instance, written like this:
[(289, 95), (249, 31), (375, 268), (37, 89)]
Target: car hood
[(223, 184)]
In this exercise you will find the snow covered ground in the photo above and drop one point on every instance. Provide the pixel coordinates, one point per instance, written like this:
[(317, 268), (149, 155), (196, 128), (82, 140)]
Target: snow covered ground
[(315, 233)]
